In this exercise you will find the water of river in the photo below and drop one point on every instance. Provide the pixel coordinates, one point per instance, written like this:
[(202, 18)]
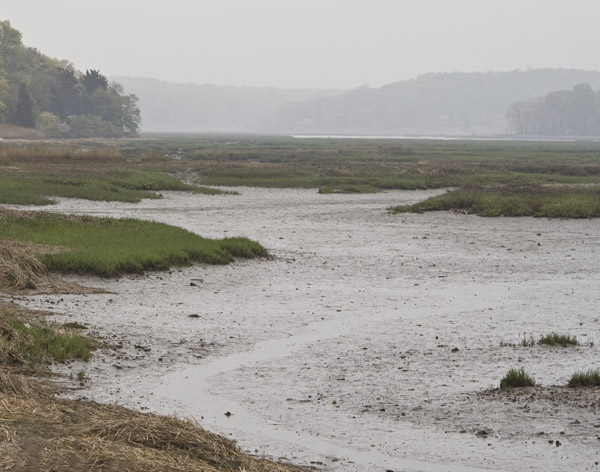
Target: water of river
[(368, 342)]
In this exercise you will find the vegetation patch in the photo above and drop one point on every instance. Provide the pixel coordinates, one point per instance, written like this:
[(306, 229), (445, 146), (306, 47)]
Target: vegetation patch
[(517, 378), (129, 186), (555, 339), (549, 202), (591, 378), (26, 339), (109, 247), (492, 178)]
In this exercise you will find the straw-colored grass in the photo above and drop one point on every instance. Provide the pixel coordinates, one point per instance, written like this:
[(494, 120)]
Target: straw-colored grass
[(23, 273), (41, 432)]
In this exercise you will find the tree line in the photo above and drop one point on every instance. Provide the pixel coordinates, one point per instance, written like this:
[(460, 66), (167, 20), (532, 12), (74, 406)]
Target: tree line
[(50, 95), (573, 112)]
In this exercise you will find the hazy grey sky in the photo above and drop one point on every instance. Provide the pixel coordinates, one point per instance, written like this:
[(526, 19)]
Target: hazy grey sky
[(309, 43)]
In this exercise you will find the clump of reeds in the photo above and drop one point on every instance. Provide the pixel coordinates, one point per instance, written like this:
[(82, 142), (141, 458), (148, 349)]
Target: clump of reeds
[(591, 378), (556, 339), (517, 378)]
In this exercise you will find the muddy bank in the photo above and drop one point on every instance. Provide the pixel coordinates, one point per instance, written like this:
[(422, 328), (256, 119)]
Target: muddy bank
[(367, 343)]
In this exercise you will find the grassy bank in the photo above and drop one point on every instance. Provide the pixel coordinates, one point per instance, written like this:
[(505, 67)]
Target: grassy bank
[(108, 247), (535, 200)]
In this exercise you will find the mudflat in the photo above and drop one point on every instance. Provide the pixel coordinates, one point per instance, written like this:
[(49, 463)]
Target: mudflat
[(370, 341)]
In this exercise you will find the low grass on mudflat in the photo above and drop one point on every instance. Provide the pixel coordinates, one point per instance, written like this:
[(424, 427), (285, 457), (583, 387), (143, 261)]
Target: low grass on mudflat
[(111, 247), (127, 186), (533, 200)]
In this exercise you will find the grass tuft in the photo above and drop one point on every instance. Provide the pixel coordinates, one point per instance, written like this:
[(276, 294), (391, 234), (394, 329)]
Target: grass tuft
[(517, 378), (591, 378), (554, 339), (527, 341)]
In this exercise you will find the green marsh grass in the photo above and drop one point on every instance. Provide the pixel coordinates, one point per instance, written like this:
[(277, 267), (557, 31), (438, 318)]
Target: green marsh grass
[(37, 341), (492, 178), (540, 201), (127, 186), (591, 378), (108, 247), (556, 339), (517, 378)]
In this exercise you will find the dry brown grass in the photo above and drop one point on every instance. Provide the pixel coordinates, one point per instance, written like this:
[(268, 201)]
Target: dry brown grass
[(22, 273), (18, 132), (44, 152), (41, 432)]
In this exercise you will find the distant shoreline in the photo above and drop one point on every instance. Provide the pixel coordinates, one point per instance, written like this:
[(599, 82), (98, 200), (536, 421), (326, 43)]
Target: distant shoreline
[(451, 138)]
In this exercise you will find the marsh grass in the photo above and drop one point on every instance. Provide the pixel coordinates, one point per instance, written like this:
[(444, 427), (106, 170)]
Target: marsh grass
[(540, 201), (35, 341), (591, 378), (493, 177), (108, 247), (527, 341), (127, 186), (517, 378), (556, 339)]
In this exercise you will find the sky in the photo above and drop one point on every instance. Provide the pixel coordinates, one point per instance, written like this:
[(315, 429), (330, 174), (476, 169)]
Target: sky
[(309, 43)]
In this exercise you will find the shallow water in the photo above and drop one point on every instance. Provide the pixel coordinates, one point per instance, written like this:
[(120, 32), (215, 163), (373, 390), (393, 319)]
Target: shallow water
[(366, 342)]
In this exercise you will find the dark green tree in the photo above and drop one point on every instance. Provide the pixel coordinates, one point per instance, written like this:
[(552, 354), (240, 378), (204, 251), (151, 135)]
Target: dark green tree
[(24, 114), (65, 92), (94, 80)]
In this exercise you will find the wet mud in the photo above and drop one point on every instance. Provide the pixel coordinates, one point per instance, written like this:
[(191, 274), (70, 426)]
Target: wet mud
[(369, 342)]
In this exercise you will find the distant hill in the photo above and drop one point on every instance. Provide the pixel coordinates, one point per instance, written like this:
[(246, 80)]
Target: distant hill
[(446, 103), (175, 107), (449, 103)]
